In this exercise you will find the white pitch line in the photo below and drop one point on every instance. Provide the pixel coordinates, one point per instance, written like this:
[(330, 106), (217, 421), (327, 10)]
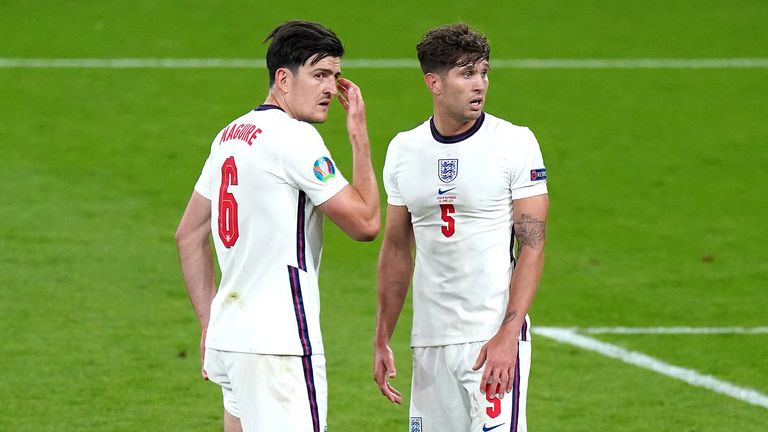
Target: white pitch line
[(690, 376), (234, 63), (130, 63), (674, 330), (646, 63)]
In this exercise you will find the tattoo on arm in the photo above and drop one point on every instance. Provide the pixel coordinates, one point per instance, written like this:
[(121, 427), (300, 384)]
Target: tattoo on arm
[(511, 315), (530, 231)]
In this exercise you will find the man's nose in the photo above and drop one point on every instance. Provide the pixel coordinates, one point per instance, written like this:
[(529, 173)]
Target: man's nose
[(479, 84), (331, 86)]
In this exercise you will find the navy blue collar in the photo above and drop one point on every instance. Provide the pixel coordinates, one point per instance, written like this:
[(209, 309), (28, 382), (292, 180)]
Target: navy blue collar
[(456, 138), (267, 107)]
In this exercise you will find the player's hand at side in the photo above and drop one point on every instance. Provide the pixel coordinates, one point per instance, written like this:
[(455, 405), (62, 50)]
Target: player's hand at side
[(352, 100), (384, 370), (499, 355)]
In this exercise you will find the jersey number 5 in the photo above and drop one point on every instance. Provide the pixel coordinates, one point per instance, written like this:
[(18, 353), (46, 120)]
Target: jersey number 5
[(228, 230), (494, 410), (445, 214)]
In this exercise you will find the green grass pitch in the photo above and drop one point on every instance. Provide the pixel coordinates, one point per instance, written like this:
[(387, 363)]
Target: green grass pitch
[(657, 184)]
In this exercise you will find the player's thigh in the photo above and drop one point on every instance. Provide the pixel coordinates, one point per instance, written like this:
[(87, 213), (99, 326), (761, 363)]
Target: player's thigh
[(438, 401), (217, 365), (490, 413), (286, 393), (231, 423), (524, 359)]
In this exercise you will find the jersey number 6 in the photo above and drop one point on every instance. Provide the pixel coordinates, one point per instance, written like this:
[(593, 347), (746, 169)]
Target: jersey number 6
[(228, 231), (445, 214)]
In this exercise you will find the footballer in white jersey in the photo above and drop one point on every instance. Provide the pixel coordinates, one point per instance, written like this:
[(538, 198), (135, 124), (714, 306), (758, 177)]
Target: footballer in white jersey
[(265, 175), (463, 188), (263, 192), (459, 192)]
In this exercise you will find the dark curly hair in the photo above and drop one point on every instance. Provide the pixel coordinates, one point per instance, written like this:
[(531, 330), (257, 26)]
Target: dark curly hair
[(445, 47), (295, 42)]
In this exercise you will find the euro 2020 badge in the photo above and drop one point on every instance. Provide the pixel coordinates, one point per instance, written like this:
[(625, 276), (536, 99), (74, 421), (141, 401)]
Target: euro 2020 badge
[(415, 424), (324, 169), (447, 169)]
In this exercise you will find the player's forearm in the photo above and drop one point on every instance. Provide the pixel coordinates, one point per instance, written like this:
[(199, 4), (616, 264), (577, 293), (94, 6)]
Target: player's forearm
[(522, 289), (391, 300), (197, 268), (364, 179), (530, 222), (363, 176), (394, 276)]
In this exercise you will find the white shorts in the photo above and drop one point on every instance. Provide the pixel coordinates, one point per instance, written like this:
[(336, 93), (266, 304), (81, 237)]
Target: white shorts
[(271, 392), (445, 392)]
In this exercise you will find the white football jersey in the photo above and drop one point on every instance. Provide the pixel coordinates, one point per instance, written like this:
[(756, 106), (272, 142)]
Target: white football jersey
[(265, 174), (459, 191)]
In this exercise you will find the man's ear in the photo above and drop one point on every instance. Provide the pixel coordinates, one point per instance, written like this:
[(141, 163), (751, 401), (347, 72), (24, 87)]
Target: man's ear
[(283, 77), (434, 82)]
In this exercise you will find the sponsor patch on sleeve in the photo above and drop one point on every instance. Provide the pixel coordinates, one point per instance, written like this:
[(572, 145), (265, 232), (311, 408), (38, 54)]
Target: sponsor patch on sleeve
[(538, 174)]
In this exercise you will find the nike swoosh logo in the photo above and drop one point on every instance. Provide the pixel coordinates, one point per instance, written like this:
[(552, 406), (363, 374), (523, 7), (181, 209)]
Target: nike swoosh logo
[(441, 192), (486, 429)]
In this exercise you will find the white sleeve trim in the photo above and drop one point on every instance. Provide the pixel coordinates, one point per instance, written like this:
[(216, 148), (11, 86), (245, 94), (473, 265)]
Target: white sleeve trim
[(330, 192), (395, 201), (529, 191)]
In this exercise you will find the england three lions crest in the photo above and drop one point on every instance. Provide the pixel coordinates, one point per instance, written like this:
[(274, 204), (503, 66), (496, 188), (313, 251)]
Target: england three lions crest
[(447, 169), (415, 424)]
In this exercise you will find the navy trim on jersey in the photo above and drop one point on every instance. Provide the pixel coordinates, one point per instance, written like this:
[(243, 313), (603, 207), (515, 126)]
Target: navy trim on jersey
[(266, 107), (298, 307), (301, 256), (455, 138), (309, 378), (515, 397)]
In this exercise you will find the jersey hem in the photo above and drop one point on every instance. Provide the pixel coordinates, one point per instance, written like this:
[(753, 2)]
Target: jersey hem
[(297, 353), (202, 193), (425, 344)]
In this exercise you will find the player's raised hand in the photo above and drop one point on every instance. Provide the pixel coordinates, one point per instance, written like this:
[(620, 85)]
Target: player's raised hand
[(499, 355), (349, 94), (384, 370), (351, 99)]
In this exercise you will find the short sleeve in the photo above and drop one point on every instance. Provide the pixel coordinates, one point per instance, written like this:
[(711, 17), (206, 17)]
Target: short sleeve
[(308, 166), (390, 177), (203, 185), (529, 175)]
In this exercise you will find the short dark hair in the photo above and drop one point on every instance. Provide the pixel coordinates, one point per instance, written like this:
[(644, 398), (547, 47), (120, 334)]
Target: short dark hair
[(296, 42), (451, 45)]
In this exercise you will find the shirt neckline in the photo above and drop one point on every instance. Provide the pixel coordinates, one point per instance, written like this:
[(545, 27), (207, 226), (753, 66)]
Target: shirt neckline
[(265, 107), (453, 139)]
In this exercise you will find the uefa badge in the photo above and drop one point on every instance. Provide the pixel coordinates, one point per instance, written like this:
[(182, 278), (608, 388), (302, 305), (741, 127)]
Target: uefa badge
[(447, 169), (415, 424), (324, 169)]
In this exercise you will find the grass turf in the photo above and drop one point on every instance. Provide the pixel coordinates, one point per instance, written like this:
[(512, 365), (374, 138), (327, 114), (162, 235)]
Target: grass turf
[(656, 181)]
